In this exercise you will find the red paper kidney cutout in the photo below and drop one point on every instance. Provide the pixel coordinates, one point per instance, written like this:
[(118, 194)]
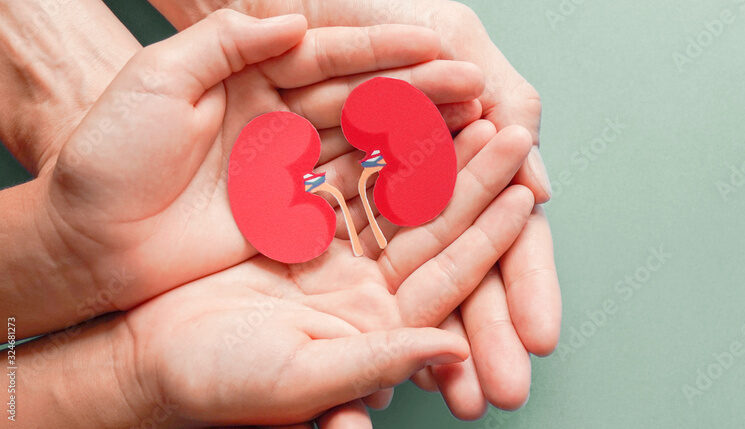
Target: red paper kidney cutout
[(400, 121), (267, 192)]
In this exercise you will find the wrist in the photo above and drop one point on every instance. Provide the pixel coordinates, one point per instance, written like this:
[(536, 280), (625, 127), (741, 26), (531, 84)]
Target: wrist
[(135, 380), (42, 279), (85, 378), (43, 94)]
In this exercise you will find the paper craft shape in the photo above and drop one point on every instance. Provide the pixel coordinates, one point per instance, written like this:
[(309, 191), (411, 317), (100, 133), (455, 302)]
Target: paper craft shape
[(408, 142), (271, 189), (271, 184)]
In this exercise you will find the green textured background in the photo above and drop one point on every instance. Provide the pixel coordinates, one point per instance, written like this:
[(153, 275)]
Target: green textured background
[(671, 176)]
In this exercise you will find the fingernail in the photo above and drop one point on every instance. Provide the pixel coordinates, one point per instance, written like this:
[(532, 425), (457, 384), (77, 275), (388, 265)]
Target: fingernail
[(538, 169)]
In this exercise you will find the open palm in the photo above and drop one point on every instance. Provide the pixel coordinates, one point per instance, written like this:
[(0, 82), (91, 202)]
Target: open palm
[(140, 186), (523, 294), (280, 344), (179, 226)]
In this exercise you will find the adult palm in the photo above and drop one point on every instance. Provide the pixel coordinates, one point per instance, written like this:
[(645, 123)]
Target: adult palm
[(138, 191)]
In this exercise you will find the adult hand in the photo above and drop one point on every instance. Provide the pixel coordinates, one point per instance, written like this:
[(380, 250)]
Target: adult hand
[(138, 192), (324, 115), (518, 308), (54, 64)]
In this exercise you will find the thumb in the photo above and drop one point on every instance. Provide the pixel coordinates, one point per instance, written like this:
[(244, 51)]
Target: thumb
[(186, 65), (356, 366)]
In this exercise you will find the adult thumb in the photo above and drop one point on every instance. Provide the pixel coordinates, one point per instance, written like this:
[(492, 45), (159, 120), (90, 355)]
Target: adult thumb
[(188, 64)]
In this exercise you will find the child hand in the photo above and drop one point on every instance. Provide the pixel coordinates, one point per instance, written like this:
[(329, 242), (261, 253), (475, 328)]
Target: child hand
[(268, 343)]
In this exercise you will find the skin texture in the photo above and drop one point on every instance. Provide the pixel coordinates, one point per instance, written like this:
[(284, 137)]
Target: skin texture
[(118, 251), (43, 98), (201, 98), (341, 324), (528, 319), (249, 343), (538, 320), (43, 94)]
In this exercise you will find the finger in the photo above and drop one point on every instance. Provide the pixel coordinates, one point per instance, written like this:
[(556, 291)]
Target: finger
[(436, 288), (352, 415), (340, 169), (502, 363), (509, 100), (344, 369), (340, 161), (533, 174), (188, 64), (483, 178), (532, 286), (329, 52), (468, 143), (459, 115), (513, 101), (333, 145), (230, 101), (321, 103), (425, 380), (359, 217), (379, 400), (323, 326), (458, 382)]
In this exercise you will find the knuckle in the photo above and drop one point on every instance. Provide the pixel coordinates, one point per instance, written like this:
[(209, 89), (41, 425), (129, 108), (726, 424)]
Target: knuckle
[(449, 272), (323, 59), (224, 16), (527, 98)]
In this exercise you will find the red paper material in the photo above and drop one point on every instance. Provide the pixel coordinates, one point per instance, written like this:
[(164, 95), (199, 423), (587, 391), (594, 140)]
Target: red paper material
[(267, 192), (394, 117)]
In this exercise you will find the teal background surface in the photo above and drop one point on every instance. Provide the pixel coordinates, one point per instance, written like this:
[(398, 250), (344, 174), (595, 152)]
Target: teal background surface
[(644, 137)]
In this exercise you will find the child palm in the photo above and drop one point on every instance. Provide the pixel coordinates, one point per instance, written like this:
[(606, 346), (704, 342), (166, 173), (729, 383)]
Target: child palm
[(280, 344)]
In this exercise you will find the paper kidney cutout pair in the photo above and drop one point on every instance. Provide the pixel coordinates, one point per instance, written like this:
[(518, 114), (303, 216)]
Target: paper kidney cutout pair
[(271, 185)]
